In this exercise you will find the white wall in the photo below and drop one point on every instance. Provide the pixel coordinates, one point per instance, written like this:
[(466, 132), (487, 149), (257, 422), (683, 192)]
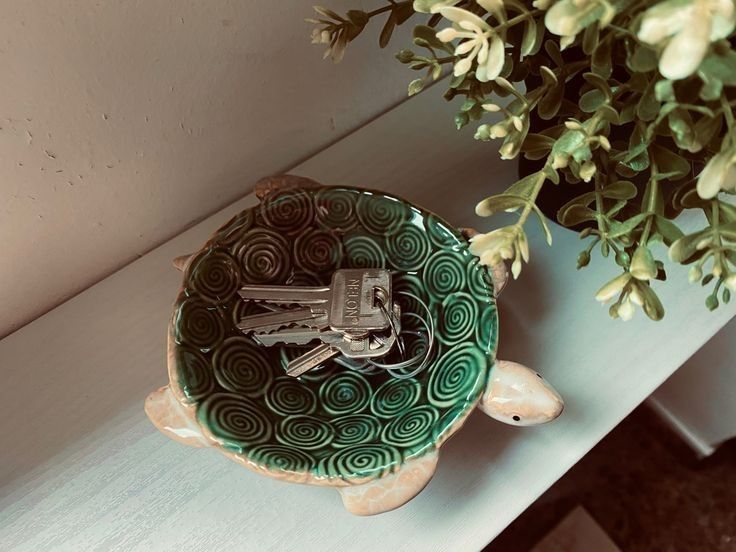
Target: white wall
[(123, 122)]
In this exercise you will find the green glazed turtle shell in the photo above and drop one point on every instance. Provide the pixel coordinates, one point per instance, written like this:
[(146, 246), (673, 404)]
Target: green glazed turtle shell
[(331, 423)]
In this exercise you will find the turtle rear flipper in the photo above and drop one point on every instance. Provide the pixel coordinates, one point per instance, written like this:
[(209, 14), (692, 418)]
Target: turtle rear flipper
[(391, 491), (173, 419)]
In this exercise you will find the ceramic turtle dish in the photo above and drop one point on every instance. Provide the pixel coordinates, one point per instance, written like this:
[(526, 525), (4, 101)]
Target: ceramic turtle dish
[(373, 437)]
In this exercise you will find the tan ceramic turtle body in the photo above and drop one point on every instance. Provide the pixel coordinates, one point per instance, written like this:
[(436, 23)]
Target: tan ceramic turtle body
[(374, 438)]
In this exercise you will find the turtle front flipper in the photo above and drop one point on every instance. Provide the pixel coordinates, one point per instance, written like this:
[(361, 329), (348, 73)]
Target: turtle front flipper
[(391, 491), (174, 419), (517, 395)]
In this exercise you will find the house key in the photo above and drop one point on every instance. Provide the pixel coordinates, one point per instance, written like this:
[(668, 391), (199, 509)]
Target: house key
[(350, 304)]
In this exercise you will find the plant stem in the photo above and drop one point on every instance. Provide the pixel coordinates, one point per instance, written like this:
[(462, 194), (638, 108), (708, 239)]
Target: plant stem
[(651, 191), (599, 207), (531, 199), (388, 7)]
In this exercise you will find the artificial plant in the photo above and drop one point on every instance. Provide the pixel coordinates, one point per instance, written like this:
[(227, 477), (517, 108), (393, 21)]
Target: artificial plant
[(633, 102)]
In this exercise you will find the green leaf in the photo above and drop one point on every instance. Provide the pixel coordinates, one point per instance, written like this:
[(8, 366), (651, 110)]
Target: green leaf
[(727, 212), (590, 39), (684, 248), (613, 211), (691, 200), (575, 214), (592, 100), (712, 88), (719, 65), (550, 103), (583, 200), (415, 86), (681, 126), (551, 174), (706, 128), (531, 40), (669, 162), (669, 230), (524, 187), (553, 51), (468, 104), (426, 36), (601, 60), (642, 59), (537, 146), (636, 159), (618, 229), (461, 119), (621, 189), (502, 202), (664, 91), (545, 227), (570, 141), (648, 107), (652, 305), (608, 113)]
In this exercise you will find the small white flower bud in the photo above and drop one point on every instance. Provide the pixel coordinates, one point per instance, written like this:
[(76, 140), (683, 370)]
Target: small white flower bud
[(493, 108)]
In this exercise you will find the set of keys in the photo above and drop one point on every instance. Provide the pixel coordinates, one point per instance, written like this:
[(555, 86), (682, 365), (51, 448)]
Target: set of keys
[(354, 316)]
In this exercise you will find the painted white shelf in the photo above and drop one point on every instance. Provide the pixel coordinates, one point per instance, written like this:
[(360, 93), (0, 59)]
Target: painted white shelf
[(83, 469)]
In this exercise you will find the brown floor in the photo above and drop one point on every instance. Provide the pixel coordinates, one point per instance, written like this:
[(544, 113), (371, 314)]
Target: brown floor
[(647, 491)]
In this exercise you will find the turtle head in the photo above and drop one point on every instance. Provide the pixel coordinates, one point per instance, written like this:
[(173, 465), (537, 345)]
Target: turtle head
[(517, 395)]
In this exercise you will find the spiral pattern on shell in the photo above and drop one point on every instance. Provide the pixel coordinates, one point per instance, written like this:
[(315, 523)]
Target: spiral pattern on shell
[(480, 281), (365, 460), (287, 396), (231, 231), (234, 420), (335, 208), (242, 367), (194, 373), (381, 214), (447, 423), (412, 427), (458, 317), (198, 324), (305, 432), (215, 275), (455, 375), (282, 458), (414, 285), (317, 251), (408, 248), (440, 233), (344, 393), (354, 429), (363, 252), (395, 396), (288, 210), (486, 329), (445, 273), (263, 256)]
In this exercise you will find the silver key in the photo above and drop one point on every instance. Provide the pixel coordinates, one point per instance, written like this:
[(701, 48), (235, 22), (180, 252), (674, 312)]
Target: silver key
[(266, 322), (367, 347), (296, 336), (319, 355), (349, 302)]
